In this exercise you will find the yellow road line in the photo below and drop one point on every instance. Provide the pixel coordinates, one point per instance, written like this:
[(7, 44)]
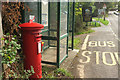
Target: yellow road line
[(84, 46), (80, 69), (97, 56), (112, 57)]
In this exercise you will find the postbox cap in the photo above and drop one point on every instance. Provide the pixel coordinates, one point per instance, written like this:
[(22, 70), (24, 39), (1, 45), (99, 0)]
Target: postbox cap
[(31, 25)]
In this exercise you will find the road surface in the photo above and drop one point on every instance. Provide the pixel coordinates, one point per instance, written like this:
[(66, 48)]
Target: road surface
[(98, 56)]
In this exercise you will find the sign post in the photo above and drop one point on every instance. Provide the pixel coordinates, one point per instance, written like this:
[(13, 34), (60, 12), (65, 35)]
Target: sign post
[(104, 7), (87, 14), (101, 13)]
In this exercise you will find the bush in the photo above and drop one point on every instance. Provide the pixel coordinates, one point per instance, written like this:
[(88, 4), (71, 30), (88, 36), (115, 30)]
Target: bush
[(106, 22), (11, 58), (11, 16)]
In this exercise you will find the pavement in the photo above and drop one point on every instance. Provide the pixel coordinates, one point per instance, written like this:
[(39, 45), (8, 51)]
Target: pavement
[(98, 55)]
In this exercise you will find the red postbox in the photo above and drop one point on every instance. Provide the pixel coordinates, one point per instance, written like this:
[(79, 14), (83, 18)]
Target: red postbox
[(32, 47)]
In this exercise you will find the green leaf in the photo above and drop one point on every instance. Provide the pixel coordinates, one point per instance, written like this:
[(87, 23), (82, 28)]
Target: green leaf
[(2, 38), (28, 71), (14, 36), (3, 61), (8, 64), (10, 75), (6, 41), (25, 71), (8, 34), (16, 40), (0, 51), (1, 54), (32, 69), (9, 49), (11, 62)]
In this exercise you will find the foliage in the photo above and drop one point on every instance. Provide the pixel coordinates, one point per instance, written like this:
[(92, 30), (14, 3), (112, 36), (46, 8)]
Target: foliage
[(106, 22), (61, 72), (85, 32), (9, 50), (47, 72), (79, 24), (95, 24), (77, 43), (109, 5), (11, 57), (11, 16), (119, 5), (53, 72)]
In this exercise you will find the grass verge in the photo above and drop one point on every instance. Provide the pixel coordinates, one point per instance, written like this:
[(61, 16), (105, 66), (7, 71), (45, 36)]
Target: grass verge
[(85, 32), (53, 72), (95, 24), (106, 22), (77, 43)]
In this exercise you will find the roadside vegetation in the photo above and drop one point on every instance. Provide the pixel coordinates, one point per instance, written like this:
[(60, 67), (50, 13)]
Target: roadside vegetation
[(53, 72), (85, 32), (77, 42), (95, 24), (106, 22), (80, 25)]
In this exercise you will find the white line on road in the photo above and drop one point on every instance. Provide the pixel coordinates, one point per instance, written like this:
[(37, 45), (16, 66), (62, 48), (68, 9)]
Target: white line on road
[(115, 34), (80, 69), (113, 31), (84, 46), (116, 15)]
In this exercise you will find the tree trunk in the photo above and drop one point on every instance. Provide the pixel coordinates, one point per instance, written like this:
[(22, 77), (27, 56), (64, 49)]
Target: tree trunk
[(1, 31), (1, 35)]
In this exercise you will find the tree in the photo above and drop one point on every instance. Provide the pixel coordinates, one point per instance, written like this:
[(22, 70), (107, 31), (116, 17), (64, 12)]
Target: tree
[(79, 24), (109, 5), (11, 16), (1, 34), (119, 5), (1, 31)]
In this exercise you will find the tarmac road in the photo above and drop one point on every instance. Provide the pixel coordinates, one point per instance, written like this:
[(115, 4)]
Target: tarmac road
[(98, 56)]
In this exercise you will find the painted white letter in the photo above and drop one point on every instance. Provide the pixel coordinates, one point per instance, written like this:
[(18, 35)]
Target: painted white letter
[(112, 57), (87, 57), (110, 44), (92, 44)]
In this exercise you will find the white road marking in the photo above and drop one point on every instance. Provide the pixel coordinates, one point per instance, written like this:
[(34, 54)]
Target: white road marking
[(80, 69), (86, 56), (116, 16), (84, 46), (116, 55), (115, 34), (97, 56), (112, 57), (92, 44), (112, 30)]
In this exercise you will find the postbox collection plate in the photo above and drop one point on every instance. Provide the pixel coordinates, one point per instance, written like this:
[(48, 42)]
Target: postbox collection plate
[(39, 47)]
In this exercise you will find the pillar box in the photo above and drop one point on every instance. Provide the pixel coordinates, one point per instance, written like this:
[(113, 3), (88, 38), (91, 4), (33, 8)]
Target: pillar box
[(32, 47)]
